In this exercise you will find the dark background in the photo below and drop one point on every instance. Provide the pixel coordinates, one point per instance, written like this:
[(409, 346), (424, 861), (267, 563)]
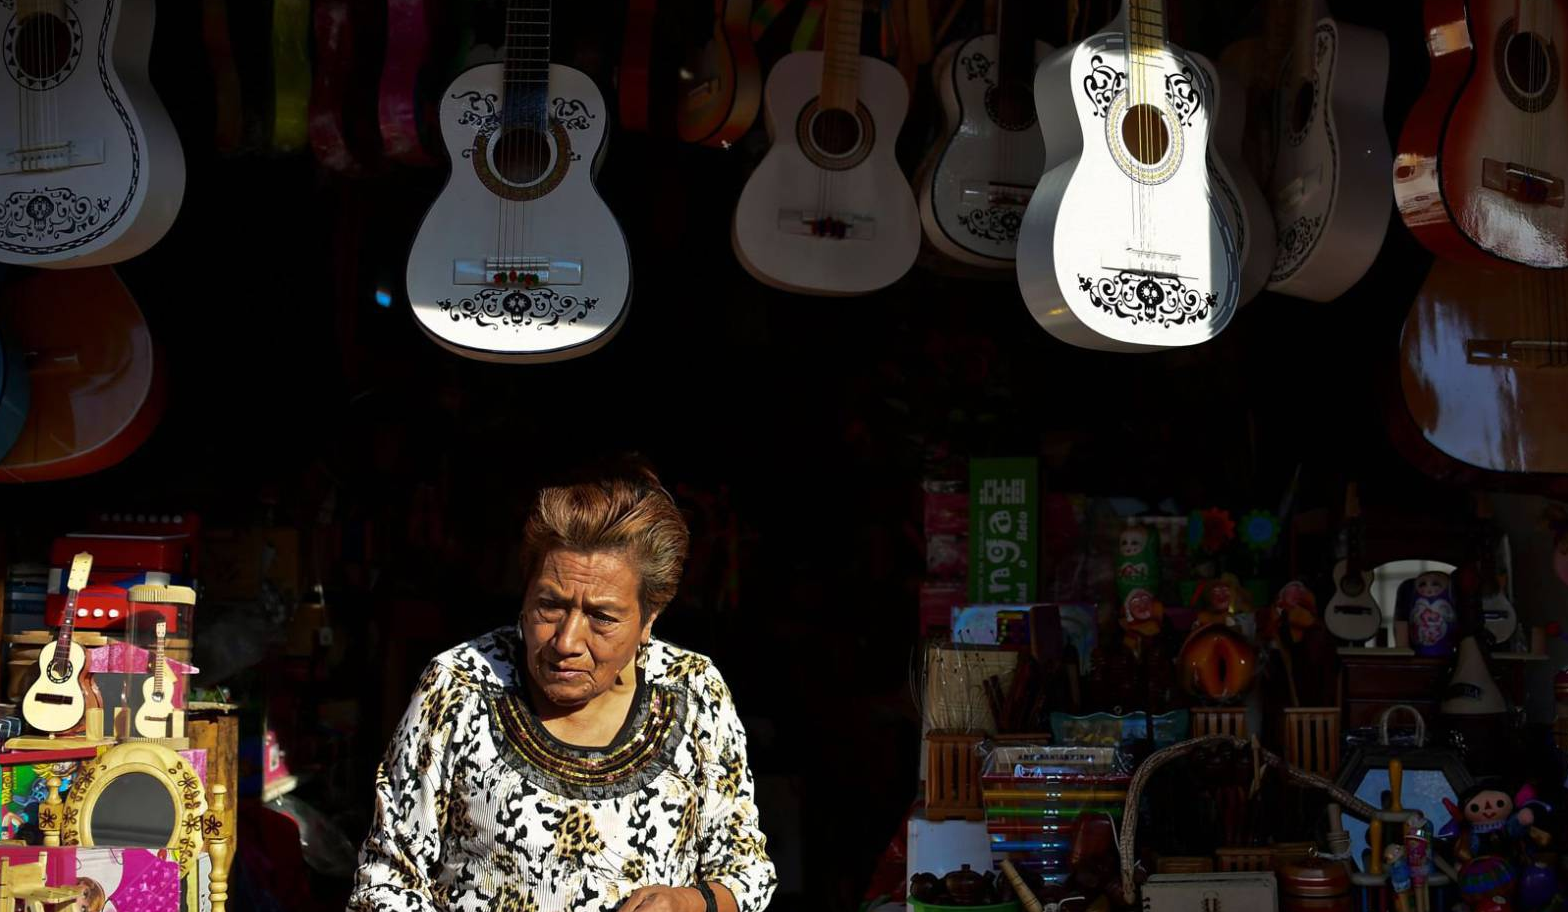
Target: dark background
[(816, 418)]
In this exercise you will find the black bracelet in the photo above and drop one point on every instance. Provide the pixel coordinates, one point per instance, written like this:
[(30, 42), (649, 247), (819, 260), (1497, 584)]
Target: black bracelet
[(711, 904)]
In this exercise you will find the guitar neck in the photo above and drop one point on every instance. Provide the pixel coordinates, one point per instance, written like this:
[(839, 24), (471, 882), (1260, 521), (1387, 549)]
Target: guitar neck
[(526, 65), (841, 55), (1145, 27), (1015, 43), (1303, 47), (62, 643), (157, 668)]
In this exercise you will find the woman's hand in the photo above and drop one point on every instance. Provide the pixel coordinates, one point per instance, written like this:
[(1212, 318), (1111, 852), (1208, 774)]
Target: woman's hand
[(664, 899)]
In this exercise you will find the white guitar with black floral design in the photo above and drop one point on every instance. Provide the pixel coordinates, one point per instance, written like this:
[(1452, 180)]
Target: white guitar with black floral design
[(519, 259), (978, 180), (91, 171), (1127, 245)]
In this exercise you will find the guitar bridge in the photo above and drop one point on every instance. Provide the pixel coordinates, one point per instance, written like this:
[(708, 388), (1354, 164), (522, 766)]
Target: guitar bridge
[(517, 272), (1517, 352), (989, 195), (1527, 185), (836, 225), (75, 153)]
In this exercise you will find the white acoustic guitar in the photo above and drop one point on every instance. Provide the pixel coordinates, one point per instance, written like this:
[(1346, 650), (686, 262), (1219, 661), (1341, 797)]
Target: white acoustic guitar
[(828, 211), (1330, 179), (1127, 245), (519, 259), (978, 179), (57, 701), (1234, 181), (91, 170), (1352, 613), (156, 717)]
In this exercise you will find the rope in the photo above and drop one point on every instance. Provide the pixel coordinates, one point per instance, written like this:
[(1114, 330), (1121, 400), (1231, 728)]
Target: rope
[(1186, 748)]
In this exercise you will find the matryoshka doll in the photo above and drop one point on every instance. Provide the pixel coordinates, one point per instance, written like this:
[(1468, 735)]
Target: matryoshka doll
[(1137, 561), (1431, 616)]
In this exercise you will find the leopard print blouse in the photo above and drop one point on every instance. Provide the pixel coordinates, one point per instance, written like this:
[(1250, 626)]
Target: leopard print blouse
[(479, 809)]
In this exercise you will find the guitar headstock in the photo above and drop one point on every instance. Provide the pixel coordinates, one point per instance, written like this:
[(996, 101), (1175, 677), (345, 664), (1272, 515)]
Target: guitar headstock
[(161, 629), (81, 567)]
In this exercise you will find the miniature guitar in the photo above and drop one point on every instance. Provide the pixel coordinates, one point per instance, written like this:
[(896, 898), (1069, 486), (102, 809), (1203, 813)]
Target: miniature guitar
[(401, 105), (91, 171), (1352, 614), (828, 211), (721, 85), (57, 701), (981, 175), (519, 259), (1497, 612), (1482, 165), (228, 101), (157, 717), (1129, 243), (1329, 182)]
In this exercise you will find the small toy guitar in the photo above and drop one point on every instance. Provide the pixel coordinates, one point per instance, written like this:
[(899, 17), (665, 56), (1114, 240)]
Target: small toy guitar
[(1352, 614), (157, 717), (57, 701)]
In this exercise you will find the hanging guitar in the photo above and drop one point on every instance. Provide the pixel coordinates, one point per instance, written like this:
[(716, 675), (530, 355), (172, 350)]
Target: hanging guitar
[(1331, 158), (1127, 243), (721, 84), (519, 259), (828, 211), (400, 104), (1483, 157), (91, 171), (157, 716), (982, 173), (1353, 614), (1484, 374), (57, 701), (292, 75), (96, 379)]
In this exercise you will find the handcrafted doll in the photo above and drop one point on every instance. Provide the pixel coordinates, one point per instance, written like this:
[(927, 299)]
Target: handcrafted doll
[(1398, 868), (1293, 614), (1490, 822), (1140, 619), (1418, 843), (1221, 601), (1137, 561), (1431, 616)]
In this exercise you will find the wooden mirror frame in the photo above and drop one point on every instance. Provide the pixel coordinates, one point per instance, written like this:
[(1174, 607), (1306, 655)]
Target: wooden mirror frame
[(163, 765)]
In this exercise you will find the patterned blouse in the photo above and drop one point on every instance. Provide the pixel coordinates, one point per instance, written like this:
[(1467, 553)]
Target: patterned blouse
[(480, 809)]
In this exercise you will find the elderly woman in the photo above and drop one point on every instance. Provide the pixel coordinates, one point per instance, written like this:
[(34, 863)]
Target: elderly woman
[(573, 762)]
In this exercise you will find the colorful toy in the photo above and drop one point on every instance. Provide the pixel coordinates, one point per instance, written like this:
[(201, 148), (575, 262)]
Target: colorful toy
[(1217, 663), (1141, 619), (1431, 615), (1137, 561)]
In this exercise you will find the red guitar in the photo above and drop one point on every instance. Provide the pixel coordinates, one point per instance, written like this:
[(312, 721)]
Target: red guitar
[(1482, 163), (228, 105), (97, 379), (403, 109), (633, 81), (342, 97)]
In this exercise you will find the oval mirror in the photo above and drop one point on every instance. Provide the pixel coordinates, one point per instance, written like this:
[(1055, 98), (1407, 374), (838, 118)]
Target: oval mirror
[(134, 809)]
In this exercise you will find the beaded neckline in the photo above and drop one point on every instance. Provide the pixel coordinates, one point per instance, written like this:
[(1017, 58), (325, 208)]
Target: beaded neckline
[(644, 746)]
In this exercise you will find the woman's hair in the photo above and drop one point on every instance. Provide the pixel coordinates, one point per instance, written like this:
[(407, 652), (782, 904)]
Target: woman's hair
[(617, 505)]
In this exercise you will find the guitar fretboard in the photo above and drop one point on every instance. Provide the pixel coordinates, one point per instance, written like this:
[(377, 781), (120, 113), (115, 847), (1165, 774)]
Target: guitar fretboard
[(526, 65), (1145, 26), (841, 55)]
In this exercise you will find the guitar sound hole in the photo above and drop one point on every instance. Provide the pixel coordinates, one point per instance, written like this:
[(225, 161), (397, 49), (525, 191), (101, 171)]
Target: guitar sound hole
[(43, 45), (1144, 132), (1301, 108), (522, 155), (1352, 586), (1527, 63), (1011, 106), (835, 132)]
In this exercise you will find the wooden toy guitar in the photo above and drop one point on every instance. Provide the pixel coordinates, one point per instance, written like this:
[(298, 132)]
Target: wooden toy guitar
[(1352, 614), (1497, 613), (1329, 181), (1127, 243), (91, 170), (1483, 158), (57, 701), (721, 85), (519, 259), (156, 717), (828, 211), (982, 173)]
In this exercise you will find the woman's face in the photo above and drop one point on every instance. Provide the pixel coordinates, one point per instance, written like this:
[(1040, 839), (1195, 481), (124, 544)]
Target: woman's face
[(581, 624)]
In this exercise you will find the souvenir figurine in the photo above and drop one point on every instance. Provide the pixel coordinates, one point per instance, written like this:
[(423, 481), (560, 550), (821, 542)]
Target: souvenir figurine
[(1293, 614), (1217, 663), (1431, 615), (1398, 868), (1137, 561), (1141, 617), (1418, 842), (1222, 601)]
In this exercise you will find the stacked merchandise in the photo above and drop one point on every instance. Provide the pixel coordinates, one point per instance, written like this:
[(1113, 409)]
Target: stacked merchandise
[(1037, 797), (104, 747)]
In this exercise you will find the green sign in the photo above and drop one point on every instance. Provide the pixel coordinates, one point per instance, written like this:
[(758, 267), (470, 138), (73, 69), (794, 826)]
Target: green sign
[(1004, 513)]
